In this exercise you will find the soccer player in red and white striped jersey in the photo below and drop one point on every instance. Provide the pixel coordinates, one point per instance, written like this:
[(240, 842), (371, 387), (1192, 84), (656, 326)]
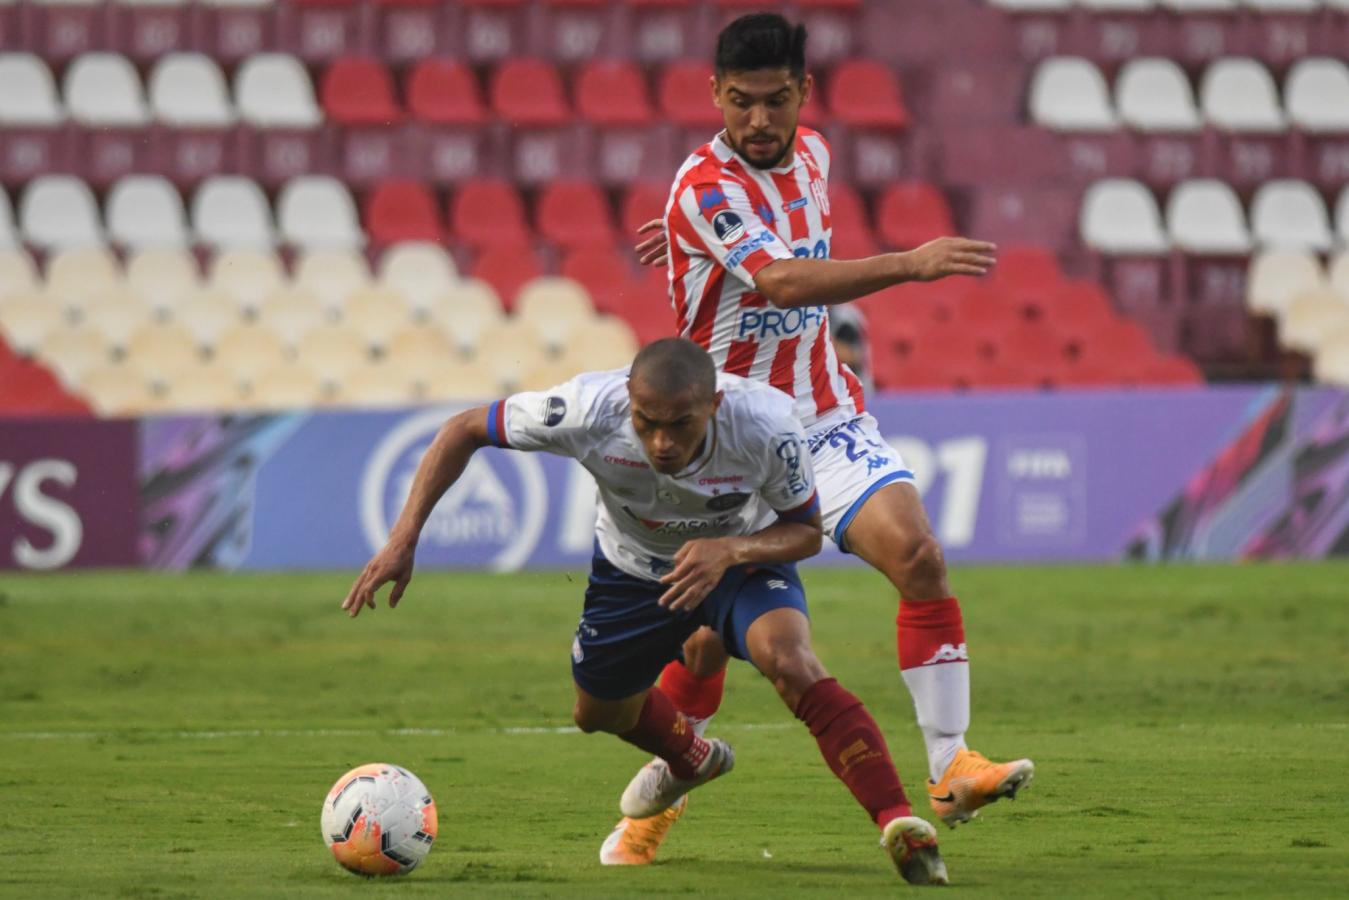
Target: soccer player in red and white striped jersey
[(747, 234)]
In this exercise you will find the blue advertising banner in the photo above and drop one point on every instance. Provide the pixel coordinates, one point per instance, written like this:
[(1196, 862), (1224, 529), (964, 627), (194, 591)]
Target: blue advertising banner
[(1192, 473)]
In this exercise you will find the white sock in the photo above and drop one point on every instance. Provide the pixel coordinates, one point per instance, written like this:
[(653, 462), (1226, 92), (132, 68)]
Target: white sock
[(941, 699), (699, 725)]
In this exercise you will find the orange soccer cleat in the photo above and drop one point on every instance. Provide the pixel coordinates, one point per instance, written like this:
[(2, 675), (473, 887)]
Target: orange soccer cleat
[(635, 842), (972, 782)]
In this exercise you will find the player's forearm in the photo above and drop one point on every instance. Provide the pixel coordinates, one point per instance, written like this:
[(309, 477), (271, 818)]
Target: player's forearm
[(441, 466), (781, 542), (820, 282)]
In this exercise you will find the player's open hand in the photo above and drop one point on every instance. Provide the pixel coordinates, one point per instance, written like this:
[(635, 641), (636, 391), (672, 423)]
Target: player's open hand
[(655, 250), (392, 563), (952, 256), (699, 566)]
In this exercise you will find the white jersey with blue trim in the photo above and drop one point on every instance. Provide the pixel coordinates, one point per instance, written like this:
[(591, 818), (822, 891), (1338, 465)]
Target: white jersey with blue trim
[(754, 466)]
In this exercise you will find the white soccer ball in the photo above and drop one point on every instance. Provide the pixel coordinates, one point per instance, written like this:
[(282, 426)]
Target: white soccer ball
[(379, 820)]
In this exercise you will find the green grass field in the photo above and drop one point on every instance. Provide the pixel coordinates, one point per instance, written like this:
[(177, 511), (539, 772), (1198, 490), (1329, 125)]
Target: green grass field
[(174, 736)]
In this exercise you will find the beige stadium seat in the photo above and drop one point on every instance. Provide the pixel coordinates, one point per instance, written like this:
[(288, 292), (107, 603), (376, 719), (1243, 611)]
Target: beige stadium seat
[(248, 276), (1310, 318), (332, 275), (204, 387), (28, 317), (1339, 275), (331, 351), (208, 313), (419, 350), (118, 390), (247, 350), (18, 273), (1276, 276), (377, 313), (162, 348), (376, 383), (605, 342), (550, 374), (162, 277), (466, 311), (510, 350), (421, 272), (1331, 364), (457, 379), (292, 313), (77, 275), (555, 307), (286, 386), (73, 350), (117, 314)]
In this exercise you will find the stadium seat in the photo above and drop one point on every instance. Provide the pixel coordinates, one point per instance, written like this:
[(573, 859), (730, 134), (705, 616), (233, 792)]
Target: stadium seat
[(605, 342), (397, 211), (272, 90), (59, 211), (612, 92), (331, 351), (331, 273), (248, 275), (1316, 93), (1170, 371), (284, 386), (420, 272), (376, 312), (145, 211), (643, 201), (864, 93), (29, 316), (249, 349), (685, 96), (1331, 365), (1238, 94), (911, 213), (292, 312), (1276, 276), (444, 92), (575, 214), (1069, 93), (359, 91), (1205, 216), (511, 350), (159, 277), (160, 349), (1027, 268), (17, 271), (232, 211), (376, 384), (103, 89), (466, 312), (317, 211), (528, 92), (207, 313), (1290, 213), (1120, 216), (507, 269), (77, 275), (487, 212), (1155, 95), (416, 350), (117, 390), (458, 380), (187, 90), (29, 98), (556, 308), (117, 315), (604, 273), (1311, 317), (203, 387)]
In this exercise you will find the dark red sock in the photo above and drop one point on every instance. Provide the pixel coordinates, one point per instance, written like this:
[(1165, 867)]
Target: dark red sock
[(852, 745), (663, 731), (929, 632), (691, 695)]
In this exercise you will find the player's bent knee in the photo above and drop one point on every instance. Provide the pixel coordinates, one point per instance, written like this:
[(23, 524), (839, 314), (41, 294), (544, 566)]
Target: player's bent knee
[(792, 669), (921, 572), (704, 653)]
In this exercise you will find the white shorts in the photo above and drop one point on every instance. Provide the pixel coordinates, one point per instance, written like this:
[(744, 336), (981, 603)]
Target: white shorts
[(851, 461)]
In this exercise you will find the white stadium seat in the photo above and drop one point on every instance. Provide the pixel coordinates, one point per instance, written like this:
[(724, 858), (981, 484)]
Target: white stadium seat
[(421, 272), (104, 89), (29, 97), (59, 211), (232, 211), (1120, 215), (1204, 216), (317, 211), (1155, 95), (1277, 276), (187, 90), (1316, 93), (146, 211), (1290, 213), (1069, 93), (272, 90), (1238, 94)]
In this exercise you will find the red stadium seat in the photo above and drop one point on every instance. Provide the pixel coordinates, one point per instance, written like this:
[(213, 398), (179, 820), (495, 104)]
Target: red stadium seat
[(575, 214), (607, 276), (643, 202), (912, 213), (847, 208), (402, 211), (444, 92), (865, 94), (359, 91), (489, 212), (613, 92), (507, 268), (647, 307), (1122, 344), (685, 96), (1178, 371), (529, 92)]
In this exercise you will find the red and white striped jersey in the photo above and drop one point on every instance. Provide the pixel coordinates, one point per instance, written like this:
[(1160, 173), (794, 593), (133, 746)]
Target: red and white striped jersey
[(725, 221)]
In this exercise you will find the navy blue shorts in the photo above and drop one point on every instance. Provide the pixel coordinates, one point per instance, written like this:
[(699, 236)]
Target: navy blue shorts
[(625, 637)]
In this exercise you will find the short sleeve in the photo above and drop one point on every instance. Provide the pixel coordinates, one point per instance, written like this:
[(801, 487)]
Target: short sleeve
[(553, 420), (789, 486), (717, 219)]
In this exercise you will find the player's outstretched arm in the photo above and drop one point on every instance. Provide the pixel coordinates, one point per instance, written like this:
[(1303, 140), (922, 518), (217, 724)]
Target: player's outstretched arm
[(458, 439), (701, 563), (815, 282)]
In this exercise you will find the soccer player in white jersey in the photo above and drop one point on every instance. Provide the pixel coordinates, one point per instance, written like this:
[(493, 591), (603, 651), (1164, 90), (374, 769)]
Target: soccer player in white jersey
[(707, 499), (746, 234)]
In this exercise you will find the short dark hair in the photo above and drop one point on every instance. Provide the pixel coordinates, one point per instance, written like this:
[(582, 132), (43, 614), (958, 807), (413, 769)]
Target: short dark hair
[(673, 365), (762, 41)]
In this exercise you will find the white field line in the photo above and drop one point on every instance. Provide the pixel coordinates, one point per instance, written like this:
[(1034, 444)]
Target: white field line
[(327, 732)]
